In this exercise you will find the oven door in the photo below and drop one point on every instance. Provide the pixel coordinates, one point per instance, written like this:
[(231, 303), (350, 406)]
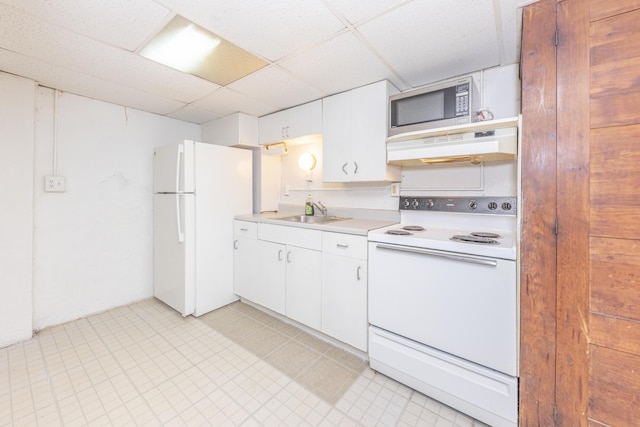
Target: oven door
[(461, 304)]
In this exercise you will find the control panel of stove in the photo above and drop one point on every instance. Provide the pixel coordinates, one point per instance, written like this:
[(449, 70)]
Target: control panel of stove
[(484, 205)]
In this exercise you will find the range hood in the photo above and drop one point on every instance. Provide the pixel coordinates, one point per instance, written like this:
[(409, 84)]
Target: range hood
[(474, 142)]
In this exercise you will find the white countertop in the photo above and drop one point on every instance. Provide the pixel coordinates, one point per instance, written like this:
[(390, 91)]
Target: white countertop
[(353, 225)]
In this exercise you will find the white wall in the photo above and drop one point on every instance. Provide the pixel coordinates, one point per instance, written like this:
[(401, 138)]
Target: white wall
[(16, 184), (93, 246)]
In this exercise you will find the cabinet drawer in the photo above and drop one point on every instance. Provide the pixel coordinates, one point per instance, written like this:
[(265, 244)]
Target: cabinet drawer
[(294, 236), (344, 244), (245, 229)]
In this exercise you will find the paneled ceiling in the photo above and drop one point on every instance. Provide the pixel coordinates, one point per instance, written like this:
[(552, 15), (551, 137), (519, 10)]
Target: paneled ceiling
[(314, 48)]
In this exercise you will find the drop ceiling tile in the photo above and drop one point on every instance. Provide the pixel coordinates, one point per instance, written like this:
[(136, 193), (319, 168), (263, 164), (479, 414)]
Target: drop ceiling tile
[(193, 114), (437, 40), (357, 10), (226, 101), (60, 47), (339, 64), (276, 87), (122, 23), (272, 29), (69, 81)]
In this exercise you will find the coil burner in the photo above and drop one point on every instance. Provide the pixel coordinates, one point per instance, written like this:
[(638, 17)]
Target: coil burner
[(413, 228), (469, 238), (399, 232)]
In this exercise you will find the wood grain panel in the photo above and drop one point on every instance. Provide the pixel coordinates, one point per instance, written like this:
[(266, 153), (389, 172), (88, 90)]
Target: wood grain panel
[(615, 333), (614, 39), (615, 109), (615, 221), (572, 359), (606, 8), (615, 278), (615, 166), (615, 387), (538, 250)]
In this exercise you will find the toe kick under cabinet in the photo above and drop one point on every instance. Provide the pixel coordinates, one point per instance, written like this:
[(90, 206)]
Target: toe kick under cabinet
[(317, 278)]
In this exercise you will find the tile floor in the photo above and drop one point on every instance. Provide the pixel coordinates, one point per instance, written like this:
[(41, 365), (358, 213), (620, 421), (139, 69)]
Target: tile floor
[(144, 365)]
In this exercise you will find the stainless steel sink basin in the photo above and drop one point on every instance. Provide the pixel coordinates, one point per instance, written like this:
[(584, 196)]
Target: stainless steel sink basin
[(312, 219)]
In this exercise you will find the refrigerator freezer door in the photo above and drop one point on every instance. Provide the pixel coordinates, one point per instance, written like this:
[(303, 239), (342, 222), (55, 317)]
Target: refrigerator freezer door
[(224, 176), (174, 251), (173, 168)]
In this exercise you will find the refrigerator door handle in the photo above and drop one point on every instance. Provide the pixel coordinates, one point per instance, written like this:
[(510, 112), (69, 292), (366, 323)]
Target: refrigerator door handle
[(179, 158), (179, 220)]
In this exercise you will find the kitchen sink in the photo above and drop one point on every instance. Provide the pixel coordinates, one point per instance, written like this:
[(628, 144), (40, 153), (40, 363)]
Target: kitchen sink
[(308, 219)]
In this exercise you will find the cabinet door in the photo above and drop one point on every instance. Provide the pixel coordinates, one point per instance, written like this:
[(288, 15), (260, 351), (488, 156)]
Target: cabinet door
[(344, 299), (245, 268), (271, 275), (304, 286), (336, 136), (304, 120), (271, 127), (369, 132)]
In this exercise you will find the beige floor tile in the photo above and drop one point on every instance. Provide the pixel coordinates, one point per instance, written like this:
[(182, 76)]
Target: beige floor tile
[(145, 365)]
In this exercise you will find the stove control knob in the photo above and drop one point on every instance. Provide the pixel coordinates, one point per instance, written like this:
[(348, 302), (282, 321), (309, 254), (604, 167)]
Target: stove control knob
[(405, 204), (429, 204), (493, 206), (415, 204), (506, 206), (473, 205)]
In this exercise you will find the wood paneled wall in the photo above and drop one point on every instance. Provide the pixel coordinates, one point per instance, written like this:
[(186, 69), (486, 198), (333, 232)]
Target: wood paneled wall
[(580, 290), (614, 349)]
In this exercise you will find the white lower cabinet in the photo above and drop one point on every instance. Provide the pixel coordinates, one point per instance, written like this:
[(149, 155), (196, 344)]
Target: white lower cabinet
[(304, 286), (289, 272), (344, 288), (271, 275), (317, 278), (245, 259)]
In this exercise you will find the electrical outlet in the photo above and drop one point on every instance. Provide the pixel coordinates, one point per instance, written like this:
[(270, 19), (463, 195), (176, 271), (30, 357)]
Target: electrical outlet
[(55, 184)]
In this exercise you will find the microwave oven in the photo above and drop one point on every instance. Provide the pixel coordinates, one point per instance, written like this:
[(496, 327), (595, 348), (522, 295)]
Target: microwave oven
[(447, 104)]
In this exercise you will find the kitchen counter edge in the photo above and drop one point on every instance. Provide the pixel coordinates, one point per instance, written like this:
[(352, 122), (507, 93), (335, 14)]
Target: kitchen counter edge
[(355, 226)]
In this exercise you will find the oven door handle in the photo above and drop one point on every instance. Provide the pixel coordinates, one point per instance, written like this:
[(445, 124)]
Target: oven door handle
[(431, 252)]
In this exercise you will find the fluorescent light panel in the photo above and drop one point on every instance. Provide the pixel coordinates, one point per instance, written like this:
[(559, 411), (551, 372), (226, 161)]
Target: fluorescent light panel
[(187, 47)]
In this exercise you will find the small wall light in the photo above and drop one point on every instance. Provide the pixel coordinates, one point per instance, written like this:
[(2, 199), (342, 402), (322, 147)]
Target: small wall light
[(306, 162)]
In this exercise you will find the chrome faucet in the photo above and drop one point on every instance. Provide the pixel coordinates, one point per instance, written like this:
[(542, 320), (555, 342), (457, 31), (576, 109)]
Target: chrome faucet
[(320, 207)]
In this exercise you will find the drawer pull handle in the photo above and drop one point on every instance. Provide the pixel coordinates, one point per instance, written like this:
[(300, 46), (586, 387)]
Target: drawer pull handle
[(342, 245), (244, 229)]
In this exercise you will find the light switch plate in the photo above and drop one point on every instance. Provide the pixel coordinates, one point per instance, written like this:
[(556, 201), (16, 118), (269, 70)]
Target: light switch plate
[(395, 189), (55, 184)]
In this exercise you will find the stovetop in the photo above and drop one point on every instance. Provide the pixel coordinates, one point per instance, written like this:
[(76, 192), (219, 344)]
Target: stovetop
[(461, 225)]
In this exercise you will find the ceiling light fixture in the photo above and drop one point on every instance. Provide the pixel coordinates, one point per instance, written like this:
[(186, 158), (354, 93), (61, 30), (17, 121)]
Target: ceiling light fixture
[(184, 49), (187, 47)]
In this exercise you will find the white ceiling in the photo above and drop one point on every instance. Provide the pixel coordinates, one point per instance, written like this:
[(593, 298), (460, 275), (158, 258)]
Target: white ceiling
[(314, 48)]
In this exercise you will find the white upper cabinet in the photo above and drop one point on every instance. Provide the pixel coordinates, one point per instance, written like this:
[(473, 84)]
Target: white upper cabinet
[(238, 130), (354, 136), (296, 122)]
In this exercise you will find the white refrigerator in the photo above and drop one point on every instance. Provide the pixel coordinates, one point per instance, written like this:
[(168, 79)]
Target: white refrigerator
[(198, 188)]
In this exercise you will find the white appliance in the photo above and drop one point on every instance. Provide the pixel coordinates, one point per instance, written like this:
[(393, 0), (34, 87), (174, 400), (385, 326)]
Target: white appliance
[(443, 303), (198, 188)]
